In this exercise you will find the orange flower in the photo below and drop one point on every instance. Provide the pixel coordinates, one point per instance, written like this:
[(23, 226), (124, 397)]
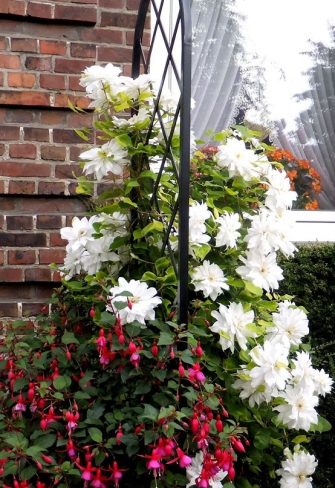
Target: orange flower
[(292, 174), (316, 186), (280, 154), (314, 173), (303, 164), (313, 205)]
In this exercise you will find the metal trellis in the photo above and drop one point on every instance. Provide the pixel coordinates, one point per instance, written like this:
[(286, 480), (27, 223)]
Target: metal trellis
[(175, 44)]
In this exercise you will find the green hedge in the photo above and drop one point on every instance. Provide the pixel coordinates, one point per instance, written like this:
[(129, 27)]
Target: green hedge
[(310, 277)]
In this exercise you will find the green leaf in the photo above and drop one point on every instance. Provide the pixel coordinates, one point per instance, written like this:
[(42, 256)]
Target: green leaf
[(150, 412), (69, 338), (201, 251), (154, 226), (252, 289), (62, 382), (322, 426), (95, 434), (46, 440), (300, 439), (165, 339)]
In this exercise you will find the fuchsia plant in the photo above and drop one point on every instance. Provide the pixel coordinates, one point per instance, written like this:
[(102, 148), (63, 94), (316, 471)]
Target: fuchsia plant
[(110, 390)]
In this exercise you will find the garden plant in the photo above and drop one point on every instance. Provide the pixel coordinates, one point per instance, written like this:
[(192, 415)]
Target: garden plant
[(109, 389)]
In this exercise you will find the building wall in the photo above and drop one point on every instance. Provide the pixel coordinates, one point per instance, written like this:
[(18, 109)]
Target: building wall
[(44, 45)]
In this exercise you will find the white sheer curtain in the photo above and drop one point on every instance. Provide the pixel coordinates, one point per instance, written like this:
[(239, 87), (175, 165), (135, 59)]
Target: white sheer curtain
[(228, 79)]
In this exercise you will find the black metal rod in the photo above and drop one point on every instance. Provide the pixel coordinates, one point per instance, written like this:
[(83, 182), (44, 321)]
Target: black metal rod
[(184, 170)]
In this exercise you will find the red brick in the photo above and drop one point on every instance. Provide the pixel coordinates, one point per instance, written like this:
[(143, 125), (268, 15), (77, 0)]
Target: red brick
[(117, 54), (24, 98), (3, 43), (38, 64), (17, 7), (24, 45), (49, 222), (16, 115), (9, 309), (10, 61), (2, 258), (52, 47), (22, 239), (115, 4), (51, 188), (36, 134), (26, 151), (1, 79), (21, 80), (67, 171), (52, 82), (2, 187), (19, 222), (30, 309), (91, 2), (37, 274), (66, 136), (11, 274), (133, 4), (76, 13), (21, 257), (2, 150), (73, 66), (74, 84), (24, 169), (72, 206), (105, 36), (48, 256), (117, 19), (8, 133), (80, 120), (54, 153), (53, 118), (79, 50), (56, 240), (21, 187), (62, 101), (39, 10)]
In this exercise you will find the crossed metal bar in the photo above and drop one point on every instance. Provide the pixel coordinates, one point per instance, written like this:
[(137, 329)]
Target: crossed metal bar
[(141, 64)]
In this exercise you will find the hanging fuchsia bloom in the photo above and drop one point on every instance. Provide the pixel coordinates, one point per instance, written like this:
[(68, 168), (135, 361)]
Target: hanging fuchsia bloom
[(101, 341), (98, 480), (71, 451), (116, 474), (135, 359), (87, 472), (19, 407), (184, 460), (72, 420), (195, 374)]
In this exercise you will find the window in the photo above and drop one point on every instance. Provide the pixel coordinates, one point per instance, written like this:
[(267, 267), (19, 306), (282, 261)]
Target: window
[(272, 65)]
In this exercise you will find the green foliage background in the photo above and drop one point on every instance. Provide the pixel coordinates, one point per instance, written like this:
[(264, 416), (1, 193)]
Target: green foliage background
[(310, 277)]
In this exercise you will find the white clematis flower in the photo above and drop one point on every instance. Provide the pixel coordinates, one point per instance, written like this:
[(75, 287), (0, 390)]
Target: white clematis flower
[(239, 160), (232, 323), (109, 158), (298, 411), (79, 233), (227, 235), (209, 279), (269, 232), (279, 194), (289, 324), (322, 382), (296, 470), (193, 472), (271, 368), (262, 270), (141, 301)]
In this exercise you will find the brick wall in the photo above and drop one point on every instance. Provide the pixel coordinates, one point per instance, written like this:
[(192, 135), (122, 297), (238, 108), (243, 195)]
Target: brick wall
[(44, 45)]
